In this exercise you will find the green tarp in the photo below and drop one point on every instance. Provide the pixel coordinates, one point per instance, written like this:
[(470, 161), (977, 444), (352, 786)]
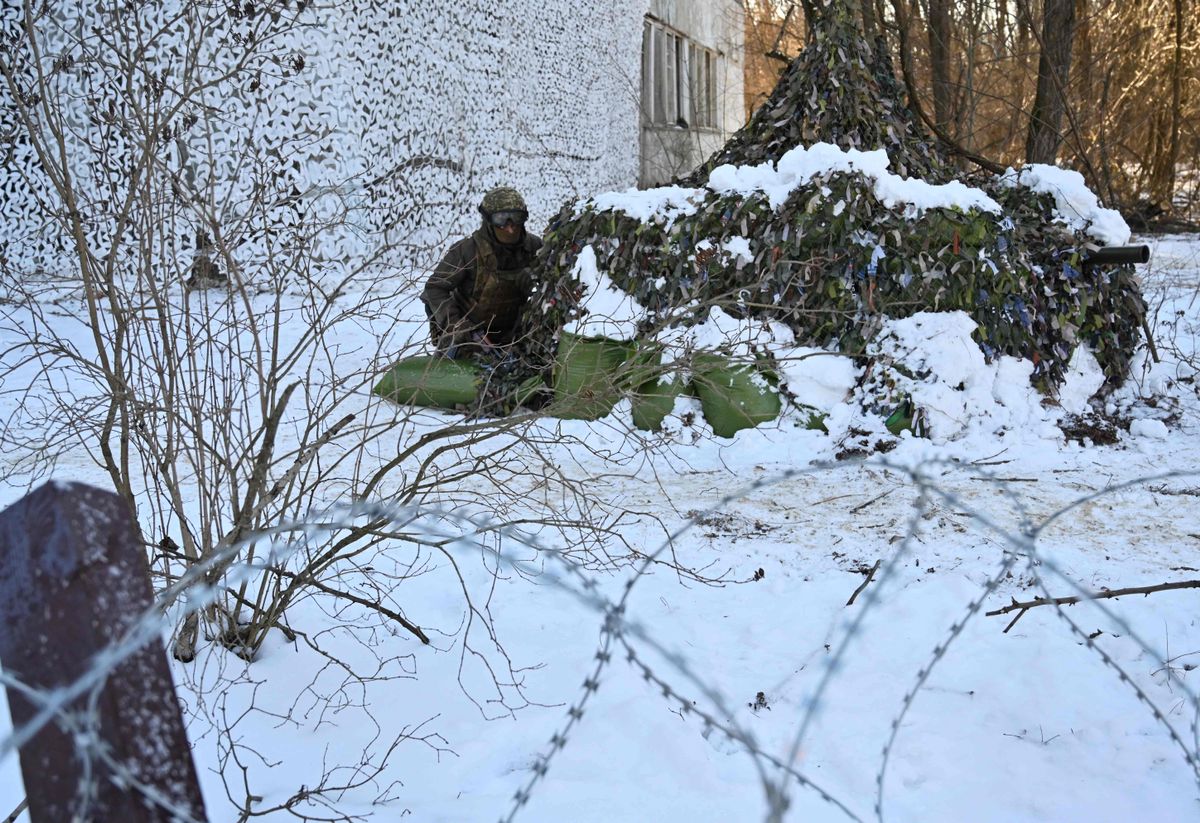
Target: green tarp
[(588, 376), (733, 396), (431, 381), (653, 401), (591, 375)]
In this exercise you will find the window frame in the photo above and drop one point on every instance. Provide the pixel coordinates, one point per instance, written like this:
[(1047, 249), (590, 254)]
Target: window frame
[(678, 79)]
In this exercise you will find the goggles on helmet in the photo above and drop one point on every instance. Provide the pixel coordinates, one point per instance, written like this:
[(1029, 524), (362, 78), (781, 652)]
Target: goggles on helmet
[(507, 217)]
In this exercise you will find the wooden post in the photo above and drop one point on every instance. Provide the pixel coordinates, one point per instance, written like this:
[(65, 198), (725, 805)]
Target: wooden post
[(72, 581)]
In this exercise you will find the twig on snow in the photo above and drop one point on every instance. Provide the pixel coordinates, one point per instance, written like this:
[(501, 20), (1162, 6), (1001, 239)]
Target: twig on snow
[(863, 585), (1022, 607), (862, 506), (362, 601)]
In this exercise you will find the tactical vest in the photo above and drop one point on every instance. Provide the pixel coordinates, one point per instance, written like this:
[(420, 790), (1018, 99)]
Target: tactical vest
[(498, 296)]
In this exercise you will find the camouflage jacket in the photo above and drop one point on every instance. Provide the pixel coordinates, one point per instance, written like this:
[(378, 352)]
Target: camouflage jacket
[(485, 288)]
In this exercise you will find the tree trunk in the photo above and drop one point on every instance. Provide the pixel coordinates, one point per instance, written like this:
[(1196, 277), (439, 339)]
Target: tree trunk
[(1166, 155), (939, 62), (1002, 46), (870, 28), (966, 103), (811, 15), (1090, 24), (1054, 67)]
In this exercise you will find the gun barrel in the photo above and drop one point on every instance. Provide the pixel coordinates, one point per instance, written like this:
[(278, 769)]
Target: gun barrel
[(1117, 255)]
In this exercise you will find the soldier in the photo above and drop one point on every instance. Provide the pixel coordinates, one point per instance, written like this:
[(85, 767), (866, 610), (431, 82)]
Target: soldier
[(475, 296)]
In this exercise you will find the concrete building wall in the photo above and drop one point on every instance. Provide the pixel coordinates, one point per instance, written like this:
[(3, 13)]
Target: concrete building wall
[(670, 149)]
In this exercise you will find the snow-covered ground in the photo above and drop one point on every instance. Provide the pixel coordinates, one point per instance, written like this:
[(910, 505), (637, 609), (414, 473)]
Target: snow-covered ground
[(727, 693)]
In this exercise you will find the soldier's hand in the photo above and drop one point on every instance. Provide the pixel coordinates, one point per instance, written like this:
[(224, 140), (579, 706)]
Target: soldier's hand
[(456, 335), (460, 331)]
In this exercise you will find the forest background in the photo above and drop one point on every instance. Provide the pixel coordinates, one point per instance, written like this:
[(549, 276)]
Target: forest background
[(1109, 89)]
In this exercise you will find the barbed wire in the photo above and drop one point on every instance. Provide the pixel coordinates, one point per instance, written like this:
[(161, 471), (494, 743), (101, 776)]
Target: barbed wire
[(619, 632), (775, 804)]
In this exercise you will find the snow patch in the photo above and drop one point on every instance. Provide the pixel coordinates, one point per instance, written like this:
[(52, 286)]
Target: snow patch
[(1075, 204), (961, 395), (609, 311), (739, 247), (740, 337), (663, 205), (1148, 428), (1083, 379), (800, 165), (816, 377)]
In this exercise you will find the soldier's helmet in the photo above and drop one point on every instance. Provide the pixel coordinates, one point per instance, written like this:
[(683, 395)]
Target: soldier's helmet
[(504, 198)]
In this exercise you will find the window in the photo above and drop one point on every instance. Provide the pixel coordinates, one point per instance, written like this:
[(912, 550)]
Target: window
[(702, 65), (678, 79)]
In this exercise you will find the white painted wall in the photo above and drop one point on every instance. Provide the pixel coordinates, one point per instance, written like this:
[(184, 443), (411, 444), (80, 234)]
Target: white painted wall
[(404, 112), (436, 102)]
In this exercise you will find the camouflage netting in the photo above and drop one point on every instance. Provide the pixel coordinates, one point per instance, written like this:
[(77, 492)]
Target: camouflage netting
[(833, 261), (842, 91)]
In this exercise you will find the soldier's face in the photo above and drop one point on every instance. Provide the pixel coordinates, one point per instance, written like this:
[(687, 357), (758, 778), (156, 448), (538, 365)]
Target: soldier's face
[(508, 234)]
